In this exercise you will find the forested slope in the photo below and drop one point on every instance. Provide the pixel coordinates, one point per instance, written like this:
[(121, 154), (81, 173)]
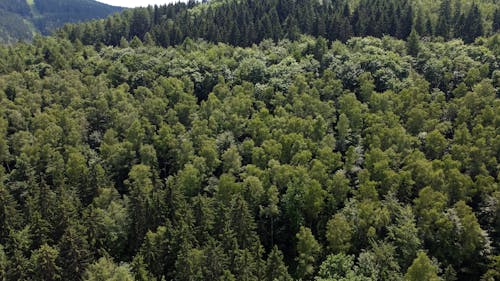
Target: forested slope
[(297, 159), (245, 22), (21, 19)]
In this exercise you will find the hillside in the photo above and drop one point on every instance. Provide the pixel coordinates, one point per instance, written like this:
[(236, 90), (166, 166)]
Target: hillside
[(21, 19)]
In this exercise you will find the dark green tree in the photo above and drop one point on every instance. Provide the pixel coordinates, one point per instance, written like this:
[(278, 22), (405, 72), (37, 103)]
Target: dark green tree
[(413, 44)]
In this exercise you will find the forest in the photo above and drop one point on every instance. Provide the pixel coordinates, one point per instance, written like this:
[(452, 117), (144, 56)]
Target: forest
[(306, 157), (247, 22)]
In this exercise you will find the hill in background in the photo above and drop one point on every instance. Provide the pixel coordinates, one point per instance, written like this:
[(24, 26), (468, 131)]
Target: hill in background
[(21, 19)]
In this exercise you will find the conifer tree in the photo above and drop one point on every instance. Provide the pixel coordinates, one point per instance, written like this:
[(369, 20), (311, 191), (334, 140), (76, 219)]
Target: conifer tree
[(473, 26), (308, 250), (420, 23), (412, 44), (44, 267), (444, 19), (422, 269), (74, 253), (276, 270), (496, 20)]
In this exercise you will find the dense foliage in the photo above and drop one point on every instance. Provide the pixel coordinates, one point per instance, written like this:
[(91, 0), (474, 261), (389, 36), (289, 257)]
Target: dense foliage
[(21, 19), (245, 22), (293, 159)]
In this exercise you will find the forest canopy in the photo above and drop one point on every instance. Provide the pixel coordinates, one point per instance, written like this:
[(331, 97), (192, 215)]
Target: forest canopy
[(124, 157), (296, 159)]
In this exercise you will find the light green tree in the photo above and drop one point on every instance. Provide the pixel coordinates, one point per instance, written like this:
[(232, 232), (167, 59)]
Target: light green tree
[(106, 270), (339, 233), (422, 269)]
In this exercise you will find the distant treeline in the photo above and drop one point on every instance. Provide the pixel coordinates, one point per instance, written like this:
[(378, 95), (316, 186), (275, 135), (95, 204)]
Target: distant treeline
[(246, 22)]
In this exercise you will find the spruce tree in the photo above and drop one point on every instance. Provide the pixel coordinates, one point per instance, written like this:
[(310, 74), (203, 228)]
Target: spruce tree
[(412, 44), (276, 270), (308, 250), (496, 20), (420, 23), (473, 26), (444, 19), (43, 262)]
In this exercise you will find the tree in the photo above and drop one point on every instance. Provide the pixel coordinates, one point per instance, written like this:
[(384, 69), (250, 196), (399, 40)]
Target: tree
[(106, 270), (338, 234), (308, 250), (420, 23), (149, 40), (473, 26), (136, 42), (444, 18), (472, 237), (496, 20), (44, 265), (379, 262), (140, 23), (3, 264), (216, 261), (242, 223), (404, 235), (320, 48), (366, 86), (412, 43), (140, 185), (422, 269), (9, 215), (339, 267), (154, 251), (276, 270), (190, 265), (231, 160), (343, 131), (74, 252), (271, 210), (189, 180), (435, 144)]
